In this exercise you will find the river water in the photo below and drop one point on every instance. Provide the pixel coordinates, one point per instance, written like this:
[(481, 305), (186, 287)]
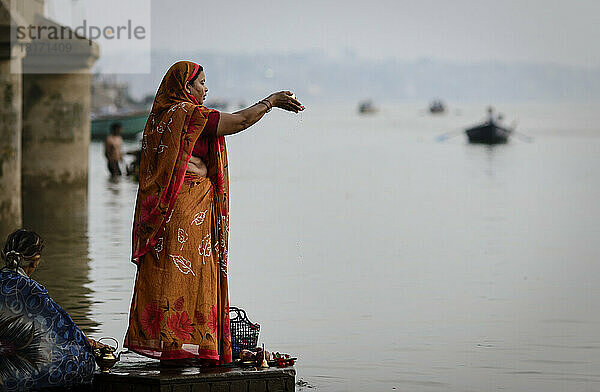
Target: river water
[(383, 258)]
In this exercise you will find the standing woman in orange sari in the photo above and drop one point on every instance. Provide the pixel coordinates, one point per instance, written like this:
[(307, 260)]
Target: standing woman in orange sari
[(180, 304)]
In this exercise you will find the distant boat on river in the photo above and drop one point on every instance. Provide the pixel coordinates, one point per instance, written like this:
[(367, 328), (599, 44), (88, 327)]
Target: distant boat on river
[(437, 107), (366, 107), (133, 122), (489, 133), (218, 104)]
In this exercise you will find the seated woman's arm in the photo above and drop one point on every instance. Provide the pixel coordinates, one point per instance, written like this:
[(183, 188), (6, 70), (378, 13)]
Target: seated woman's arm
[(94, 343), (238, 121)]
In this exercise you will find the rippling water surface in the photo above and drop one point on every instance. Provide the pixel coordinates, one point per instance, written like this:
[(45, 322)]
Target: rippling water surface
[(380, 256)]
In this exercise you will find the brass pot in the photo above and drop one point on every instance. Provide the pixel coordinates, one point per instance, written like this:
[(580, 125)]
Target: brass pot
[(105, 356)]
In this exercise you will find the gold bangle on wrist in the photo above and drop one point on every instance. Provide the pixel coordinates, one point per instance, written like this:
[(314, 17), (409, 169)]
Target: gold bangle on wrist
[(267, 104)]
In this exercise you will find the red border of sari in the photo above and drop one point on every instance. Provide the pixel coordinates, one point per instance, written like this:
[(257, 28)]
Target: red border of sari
[(175, 354)]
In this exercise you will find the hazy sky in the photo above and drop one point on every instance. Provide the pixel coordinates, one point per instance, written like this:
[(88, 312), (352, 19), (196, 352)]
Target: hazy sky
[(564, 32)]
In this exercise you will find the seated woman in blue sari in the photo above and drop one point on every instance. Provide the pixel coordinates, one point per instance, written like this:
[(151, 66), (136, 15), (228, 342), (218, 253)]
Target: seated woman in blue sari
[(40, 346)]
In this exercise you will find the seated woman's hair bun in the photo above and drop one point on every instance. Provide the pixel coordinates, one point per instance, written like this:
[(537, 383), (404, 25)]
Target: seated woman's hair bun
[(13, 259), (21, 247)]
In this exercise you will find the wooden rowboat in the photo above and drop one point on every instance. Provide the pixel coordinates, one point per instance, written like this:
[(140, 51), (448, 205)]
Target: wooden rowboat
[(488, 133)]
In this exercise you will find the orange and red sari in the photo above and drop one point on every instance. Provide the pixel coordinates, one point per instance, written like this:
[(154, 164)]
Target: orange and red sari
[(180, 304)]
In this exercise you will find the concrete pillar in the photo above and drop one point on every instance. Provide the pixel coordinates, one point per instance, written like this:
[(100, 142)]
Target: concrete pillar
[(56, 111), (56, 129), (10, 128), (10, 147)]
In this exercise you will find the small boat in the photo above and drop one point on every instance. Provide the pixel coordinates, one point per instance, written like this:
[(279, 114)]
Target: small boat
[(437, 107), (218, 104), (132, 123), (488, 133), (366, 107)]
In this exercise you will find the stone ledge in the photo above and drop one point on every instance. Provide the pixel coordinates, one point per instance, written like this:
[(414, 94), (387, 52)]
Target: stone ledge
[(150, 376)]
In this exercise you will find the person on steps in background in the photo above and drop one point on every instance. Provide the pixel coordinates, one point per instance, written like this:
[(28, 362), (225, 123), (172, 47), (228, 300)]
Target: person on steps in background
[(112, 149)]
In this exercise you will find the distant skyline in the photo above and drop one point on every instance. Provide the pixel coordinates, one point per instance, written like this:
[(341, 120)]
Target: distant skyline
[(463, 31), (474, 49), (316, 76)]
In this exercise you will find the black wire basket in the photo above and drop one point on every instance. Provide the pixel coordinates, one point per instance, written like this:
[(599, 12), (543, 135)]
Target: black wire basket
[(244, 333)]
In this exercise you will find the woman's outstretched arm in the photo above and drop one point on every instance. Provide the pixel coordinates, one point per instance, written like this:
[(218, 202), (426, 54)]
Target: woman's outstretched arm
[(238, 121)]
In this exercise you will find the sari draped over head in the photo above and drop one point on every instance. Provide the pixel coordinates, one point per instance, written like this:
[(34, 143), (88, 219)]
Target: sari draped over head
[(40, 345), (173, 127), (180, 304)]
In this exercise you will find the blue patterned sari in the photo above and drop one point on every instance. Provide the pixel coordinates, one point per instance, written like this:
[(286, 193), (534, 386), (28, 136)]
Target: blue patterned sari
[(40, 346)]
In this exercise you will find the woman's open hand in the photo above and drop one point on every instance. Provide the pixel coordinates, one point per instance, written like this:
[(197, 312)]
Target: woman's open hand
[(286, 100), (242, 119)]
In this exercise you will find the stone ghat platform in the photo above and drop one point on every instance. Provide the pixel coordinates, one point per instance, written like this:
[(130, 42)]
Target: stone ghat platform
[(133, 374)]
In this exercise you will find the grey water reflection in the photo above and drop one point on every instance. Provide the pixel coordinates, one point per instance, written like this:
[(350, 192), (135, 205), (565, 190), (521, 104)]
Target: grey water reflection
[(60, 216)]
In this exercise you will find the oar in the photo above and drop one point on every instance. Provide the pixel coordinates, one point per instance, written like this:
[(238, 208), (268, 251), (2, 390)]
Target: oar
[(522, 136), (448, 135)]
